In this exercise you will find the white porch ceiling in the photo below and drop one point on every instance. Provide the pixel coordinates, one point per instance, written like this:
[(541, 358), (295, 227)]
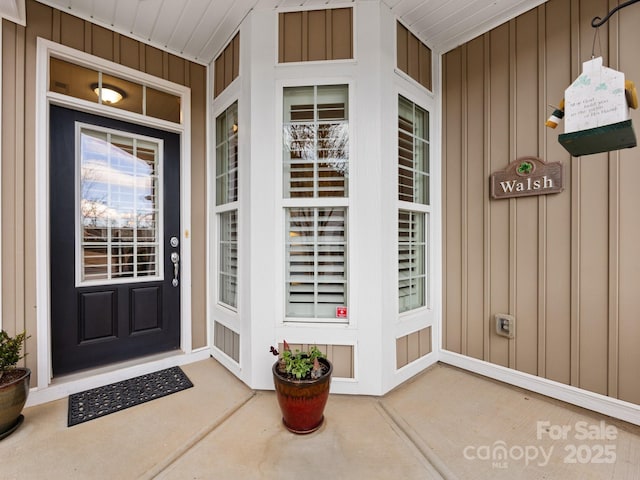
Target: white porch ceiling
[(198, 29)]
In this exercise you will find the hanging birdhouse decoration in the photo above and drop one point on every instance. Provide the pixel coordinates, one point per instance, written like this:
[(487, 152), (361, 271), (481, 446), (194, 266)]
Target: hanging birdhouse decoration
[(596, 111)]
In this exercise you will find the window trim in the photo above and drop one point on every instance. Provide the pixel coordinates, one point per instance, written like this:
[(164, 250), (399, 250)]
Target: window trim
[(316, 319), (223, 103), (284, 203), (226, 142), (79, 281), (219, 214), (427, 209)]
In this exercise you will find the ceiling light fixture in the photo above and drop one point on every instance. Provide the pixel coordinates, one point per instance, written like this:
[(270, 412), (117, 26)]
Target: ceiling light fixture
[(108, 94)]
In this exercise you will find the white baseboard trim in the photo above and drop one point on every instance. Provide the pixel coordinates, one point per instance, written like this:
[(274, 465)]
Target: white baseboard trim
[(629, 412), (74, 384)]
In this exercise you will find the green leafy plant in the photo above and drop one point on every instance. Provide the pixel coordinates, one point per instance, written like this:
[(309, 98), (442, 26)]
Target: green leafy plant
[(10, 348), (300, 365)]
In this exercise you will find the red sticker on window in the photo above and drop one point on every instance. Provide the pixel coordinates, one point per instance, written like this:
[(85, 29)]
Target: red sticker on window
[(341, 312)]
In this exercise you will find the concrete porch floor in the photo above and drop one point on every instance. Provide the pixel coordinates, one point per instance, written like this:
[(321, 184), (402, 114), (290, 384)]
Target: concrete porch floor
[(444, 423)]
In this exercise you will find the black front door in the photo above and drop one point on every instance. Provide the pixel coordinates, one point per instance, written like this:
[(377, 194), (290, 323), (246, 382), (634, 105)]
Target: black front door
[(114, 223)]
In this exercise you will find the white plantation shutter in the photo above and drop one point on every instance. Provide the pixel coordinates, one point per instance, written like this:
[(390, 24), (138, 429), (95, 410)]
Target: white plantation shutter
[(228, 261), (411, 260), (316, 260)]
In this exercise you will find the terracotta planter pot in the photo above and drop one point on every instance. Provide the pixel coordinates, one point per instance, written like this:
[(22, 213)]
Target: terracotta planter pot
[(302, 402), (13, 396)]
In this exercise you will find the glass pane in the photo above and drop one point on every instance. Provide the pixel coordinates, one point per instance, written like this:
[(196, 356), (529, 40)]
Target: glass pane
[(85, 83), (299, 104), (413, 153), (130, 92), (228, 259), (162, 105), (227, 156), (411, 260), (421, 123), (119, 206), (333, 102), (95, 263), (72, 80), (316, 262), (316, 141)]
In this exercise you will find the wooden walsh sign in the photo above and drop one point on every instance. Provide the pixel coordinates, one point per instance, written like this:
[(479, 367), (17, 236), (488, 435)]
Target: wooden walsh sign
[(527, 176)]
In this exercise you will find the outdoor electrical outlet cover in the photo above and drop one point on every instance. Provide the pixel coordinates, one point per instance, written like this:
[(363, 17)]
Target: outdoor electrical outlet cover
[(505, 325)]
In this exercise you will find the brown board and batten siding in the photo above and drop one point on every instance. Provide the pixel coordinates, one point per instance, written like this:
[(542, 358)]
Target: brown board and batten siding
[(227, 66), (18, 153), (315, 35), (413, 56), (341, 356), (565, 265), (412, 347)]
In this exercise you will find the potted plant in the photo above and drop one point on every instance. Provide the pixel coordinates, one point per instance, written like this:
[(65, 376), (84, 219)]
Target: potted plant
[(302, 381), (14, 383)]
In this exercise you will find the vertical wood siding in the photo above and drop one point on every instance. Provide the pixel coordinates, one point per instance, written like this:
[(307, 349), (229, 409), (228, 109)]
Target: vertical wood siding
[(410, 348), (227, 341), (227, 66), (18, 152), (566, 265), (413, 57), (341, 356), (315, 35)]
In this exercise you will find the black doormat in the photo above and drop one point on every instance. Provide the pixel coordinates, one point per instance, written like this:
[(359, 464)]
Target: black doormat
[(101, 401)]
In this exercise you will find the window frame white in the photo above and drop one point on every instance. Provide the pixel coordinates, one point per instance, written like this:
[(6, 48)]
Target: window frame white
[(423, 257), (226, 142), (219, 300), (425, 103), (308, 202), (79, 281), (219, 210)]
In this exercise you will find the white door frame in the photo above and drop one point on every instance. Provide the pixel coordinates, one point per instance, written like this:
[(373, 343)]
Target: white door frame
[(44, 98)]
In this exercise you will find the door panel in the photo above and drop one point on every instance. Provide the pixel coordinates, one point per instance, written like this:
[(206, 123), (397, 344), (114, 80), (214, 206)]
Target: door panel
[(114, 206)]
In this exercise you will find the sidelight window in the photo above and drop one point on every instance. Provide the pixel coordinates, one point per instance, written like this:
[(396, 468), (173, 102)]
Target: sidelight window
[(226, 205), (413, 201)]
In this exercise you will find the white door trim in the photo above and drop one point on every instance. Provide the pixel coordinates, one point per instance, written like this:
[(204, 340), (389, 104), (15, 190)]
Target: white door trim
[(1, 77), (46, 49)]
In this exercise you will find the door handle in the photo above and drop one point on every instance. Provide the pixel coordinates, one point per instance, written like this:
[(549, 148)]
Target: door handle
[(175, 259)]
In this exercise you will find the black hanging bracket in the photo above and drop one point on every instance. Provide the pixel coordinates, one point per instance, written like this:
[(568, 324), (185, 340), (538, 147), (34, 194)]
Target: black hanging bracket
[(597, 22)]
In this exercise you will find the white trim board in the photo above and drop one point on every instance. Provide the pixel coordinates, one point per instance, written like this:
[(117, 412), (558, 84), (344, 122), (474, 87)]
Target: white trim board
[(1, 162), (14, 11), (612, 407), (63, 389)]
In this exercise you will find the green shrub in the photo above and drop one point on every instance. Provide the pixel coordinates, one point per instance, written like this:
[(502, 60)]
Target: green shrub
[(10, 348)]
